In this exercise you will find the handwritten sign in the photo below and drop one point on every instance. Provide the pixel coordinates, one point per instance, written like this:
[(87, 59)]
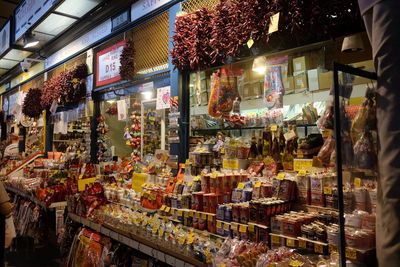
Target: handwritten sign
[(163, 95)]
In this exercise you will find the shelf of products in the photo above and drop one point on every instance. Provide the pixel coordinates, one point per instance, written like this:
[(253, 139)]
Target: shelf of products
[(167, 255)]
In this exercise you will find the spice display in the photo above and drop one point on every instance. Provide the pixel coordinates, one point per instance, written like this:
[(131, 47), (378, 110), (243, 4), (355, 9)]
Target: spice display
[(31, 106), (127, 60)]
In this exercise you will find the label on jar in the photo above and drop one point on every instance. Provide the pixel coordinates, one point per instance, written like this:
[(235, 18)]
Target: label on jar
[(351, 253), (302, 243), (318, 248), (290, 242)]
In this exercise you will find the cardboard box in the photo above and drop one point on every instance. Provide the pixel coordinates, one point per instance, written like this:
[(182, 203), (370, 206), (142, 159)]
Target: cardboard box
[(288, 84), (367, 65), (300, 81), (300, 64), (313, 79), (325, 80)]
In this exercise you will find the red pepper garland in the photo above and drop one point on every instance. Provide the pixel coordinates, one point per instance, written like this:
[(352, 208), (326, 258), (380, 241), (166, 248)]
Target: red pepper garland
[(205, 37), (127, 68), (68, 87), (31, 106)]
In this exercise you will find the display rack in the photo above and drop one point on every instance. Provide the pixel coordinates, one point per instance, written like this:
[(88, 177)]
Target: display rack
[(164, 254), (337, 67)]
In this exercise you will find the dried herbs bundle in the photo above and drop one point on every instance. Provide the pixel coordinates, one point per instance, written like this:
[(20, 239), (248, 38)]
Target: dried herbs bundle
[(127, 68), (32, 103)]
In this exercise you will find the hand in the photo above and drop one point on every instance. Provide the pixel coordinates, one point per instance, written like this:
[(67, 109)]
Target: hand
[(6, 209)]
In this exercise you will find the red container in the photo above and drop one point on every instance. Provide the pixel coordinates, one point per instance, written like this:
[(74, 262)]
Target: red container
[(219, 187), (244, 214), (205, 183), (213, 185), (206, 202), (197, 203)]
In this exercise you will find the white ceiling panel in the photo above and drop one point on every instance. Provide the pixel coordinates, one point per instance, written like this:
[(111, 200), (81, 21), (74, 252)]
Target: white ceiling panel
[(7, 64), (16, 54), (77, 8), (54, 24)]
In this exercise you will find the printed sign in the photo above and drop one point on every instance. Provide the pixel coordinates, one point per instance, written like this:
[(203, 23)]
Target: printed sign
[(108, 64), (163, 96), (28, 13), (144, 7), (5, 38)]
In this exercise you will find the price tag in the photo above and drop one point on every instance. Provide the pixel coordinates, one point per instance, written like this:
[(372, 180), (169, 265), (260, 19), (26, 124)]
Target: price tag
[(226, 226), (214, 175), (290, 242), (172, 211), (274, 128), (162, 207), (241, 185), (251, 227), (302, 164), (274, 24), (250, 43), (219, 224), (190, 239), (280, 176), (161, 232), (333, 248), (190, 183), (197, 178), (186, 214), (302, 243), (179, 212), (197, 215), (155, 228), (295, 263), (326, 133), (258, 184), (243, 228), (204, 216), (152, 221), (167, 209), (182, 240), (275, 239), (302, 173), (191, 213), (210, 217), (327, 190), (318, 248), (351, 253), (357, 182)]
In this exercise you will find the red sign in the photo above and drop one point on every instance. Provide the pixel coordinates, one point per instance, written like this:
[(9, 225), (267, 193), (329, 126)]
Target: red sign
[(107, 64)]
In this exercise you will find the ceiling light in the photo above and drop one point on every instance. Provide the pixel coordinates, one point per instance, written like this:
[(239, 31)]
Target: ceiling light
[(29, 40), (260, 64), (352, 43)]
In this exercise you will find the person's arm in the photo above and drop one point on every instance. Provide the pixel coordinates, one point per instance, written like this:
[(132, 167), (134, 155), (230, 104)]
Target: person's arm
[(5, 206)]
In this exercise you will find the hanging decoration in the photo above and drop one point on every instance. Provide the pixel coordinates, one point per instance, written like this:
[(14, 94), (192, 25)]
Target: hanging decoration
[(206, 37), (127, 68), (31, 106)]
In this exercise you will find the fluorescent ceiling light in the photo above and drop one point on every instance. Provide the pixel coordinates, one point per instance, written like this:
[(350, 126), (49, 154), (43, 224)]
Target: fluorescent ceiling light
[(54, 24), (77, 8), (18, 55), (7, 64), (29, 40)]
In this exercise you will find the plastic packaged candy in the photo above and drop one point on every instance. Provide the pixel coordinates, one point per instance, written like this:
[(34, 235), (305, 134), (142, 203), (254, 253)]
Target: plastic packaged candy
[(213, 102), (324, 154), (326, 121), (227, 90), (273, 88), (364, 152), (366, 116)]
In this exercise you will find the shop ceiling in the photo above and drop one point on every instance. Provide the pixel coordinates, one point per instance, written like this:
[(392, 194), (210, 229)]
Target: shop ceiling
[(58, 16)]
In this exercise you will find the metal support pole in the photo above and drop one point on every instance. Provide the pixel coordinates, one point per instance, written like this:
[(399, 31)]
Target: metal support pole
[(338, 142)]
